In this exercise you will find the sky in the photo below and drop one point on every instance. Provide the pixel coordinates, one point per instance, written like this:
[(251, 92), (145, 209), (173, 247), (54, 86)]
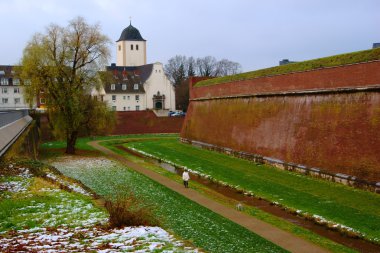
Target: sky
[(256, 34)]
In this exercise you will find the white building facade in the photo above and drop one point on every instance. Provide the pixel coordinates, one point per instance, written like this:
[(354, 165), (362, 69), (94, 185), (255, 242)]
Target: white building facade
[(132, 84), (11, 90)]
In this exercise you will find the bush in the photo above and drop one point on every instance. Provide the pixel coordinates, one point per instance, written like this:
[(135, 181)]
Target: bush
[(126, 209)]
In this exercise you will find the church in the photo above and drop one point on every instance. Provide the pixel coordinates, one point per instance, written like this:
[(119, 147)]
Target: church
[(134, 85)]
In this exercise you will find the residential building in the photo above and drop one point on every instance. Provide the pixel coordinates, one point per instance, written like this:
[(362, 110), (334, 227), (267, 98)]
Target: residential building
[(11, 90)]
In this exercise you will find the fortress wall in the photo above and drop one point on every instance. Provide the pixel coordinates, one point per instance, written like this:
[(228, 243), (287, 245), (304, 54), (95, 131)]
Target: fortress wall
[(355, 75), (335, 130)]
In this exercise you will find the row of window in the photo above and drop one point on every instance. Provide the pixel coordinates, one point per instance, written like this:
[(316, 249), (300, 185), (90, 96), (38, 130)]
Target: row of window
[(6, 100), (15, 90), (124, 86), (125, 108), (137, 97), (136, 46), (15, 81)]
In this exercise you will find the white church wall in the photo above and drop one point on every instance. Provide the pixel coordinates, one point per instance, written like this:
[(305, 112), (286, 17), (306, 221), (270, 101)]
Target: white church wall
[(158, 82)]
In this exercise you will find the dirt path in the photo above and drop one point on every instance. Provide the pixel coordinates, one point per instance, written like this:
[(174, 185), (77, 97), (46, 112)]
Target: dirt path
[(282, 238)]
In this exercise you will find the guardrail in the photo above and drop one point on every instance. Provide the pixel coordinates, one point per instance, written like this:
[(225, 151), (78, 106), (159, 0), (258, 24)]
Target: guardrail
[(10, 116)]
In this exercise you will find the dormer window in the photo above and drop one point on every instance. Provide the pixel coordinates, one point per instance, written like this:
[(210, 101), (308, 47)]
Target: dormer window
[(112, 86), (124, 87), (16, 81), (135, 86)]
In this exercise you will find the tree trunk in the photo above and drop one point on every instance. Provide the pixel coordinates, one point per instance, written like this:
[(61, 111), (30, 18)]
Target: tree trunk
[(70, 143)]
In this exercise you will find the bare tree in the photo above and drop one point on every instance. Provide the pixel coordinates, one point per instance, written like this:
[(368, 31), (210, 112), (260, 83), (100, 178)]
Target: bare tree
[(206, 66), (175, 69), (226, 67)]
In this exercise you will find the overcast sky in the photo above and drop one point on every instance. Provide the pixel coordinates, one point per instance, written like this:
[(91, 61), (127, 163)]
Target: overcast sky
[(257, 34)]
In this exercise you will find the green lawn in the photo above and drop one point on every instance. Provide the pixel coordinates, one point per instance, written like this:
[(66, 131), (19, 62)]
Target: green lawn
[(253, 211), (82, 143), (185, 218), (344, 205)]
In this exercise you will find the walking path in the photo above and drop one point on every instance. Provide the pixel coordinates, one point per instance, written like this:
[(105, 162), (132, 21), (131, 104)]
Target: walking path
[(282, 238)]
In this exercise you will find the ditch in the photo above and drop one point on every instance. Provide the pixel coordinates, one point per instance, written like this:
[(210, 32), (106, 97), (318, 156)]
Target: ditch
[(266, 206)]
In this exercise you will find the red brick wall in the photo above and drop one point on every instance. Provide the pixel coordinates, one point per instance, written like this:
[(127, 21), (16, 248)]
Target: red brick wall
[(339, 131), (347, 76), (139, 122)]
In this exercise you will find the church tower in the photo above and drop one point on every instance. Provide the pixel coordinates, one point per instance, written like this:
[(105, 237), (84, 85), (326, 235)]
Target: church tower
[(130, 48)]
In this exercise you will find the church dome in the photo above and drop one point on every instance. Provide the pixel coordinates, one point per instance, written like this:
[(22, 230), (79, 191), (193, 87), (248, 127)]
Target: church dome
[(130, 33)]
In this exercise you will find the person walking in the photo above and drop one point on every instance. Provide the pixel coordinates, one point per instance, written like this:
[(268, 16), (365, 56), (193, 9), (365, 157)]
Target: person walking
[(185, 178)]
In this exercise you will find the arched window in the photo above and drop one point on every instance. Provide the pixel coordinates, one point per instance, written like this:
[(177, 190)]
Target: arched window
[(131, 47), (137, 47)]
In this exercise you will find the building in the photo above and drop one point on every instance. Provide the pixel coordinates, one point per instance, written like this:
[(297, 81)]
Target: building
[(376, 45), (285, 61), (11, 90), (131, 83)]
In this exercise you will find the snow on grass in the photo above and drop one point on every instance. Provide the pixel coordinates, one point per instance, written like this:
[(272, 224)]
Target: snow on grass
[(136, 239), (15, 184), (187, 219), (71, 186), (28, 202)]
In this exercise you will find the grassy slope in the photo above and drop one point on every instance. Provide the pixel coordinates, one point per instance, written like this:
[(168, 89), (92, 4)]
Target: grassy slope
[(45, 205), (336, 60), (351, 207), (278, 222), (187, 219)]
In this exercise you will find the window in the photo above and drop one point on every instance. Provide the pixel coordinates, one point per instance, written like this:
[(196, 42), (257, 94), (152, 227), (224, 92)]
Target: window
[(137, 97), (113, 86), (129, 108), (4, 100), (4, 90), (128, 97), (4, 81), (42, 101), (113, 97), (124, 87), (131, 47), (124, 97), (17, 101), (135, 86), (119, 48), (124, 108), (16, 81), (2, 72), (113, 108), (137, 108), (16, 90), (137, 47)]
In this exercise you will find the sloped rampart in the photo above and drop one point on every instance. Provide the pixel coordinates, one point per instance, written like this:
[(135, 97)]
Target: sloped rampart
[(326, 118)]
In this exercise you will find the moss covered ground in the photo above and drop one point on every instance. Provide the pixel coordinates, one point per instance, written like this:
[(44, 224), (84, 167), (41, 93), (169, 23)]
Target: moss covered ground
[(331, 61)]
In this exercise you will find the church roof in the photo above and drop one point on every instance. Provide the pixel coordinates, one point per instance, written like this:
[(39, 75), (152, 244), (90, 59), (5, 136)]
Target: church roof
[(130, 33), (129, 76)]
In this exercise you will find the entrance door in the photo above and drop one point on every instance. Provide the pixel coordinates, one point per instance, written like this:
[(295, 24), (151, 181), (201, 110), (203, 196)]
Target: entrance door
[(158, 105)]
